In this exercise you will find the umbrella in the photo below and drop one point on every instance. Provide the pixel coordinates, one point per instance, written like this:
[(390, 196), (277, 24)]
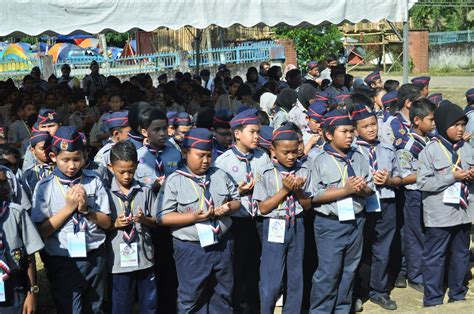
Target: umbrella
[(89, 43), (61, 51), (14, 52)]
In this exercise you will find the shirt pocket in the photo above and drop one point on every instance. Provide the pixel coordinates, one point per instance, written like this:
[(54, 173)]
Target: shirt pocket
[(442, 166), (331, 178), (90, 201), (188, 202)]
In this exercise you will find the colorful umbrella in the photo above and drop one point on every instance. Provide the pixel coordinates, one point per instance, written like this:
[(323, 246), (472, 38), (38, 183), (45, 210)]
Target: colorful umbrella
[(61, 51), (14, 52), (89, 43)]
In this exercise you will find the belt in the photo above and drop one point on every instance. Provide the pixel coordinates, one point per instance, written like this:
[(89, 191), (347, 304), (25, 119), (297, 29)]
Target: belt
[(336, 217)]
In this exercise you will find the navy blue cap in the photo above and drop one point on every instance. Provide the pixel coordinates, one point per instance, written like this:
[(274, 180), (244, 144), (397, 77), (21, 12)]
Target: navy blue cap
[(421, 80), (336, 117), (67, 138), (38, 137), (221, 119), (317, 110), (116, 119), (285, 133), (372, 77), (389, 98), (171, 117), (340, 99), (241, 109), (198, 138), (246, 117), (322, 96), (265, 136), (182, 119), (361, 112), (470, 95), (435, 98), (46, 116)]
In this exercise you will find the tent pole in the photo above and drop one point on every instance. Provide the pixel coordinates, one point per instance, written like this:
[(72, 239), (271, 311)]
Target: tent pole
[(406, 31)]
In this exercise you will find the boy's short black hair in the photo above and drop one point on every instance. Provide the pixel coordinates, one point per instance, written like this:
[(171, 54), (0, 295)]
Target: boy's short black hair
[(408, 92), (8, 149), (115, 95), (78, 95), (124, 151), (421, 108), (205, 72), (358, 99), (147, 116), (263, 117), (391, 85)]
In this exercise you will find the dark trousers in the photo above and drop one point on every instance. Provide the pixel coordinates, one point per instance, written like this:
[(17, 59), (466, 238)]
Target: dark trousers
[(77, 284), (339, 251), (276, 258), (15, 293), (205, 276), (126, 285), (247, 251), (414, 235), (445, 247), (383, 227)]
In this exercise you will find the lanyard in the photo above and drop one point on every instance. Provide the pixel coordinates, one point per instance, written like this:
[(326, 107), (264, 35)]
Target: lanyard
[(122, 205), (200, 196), (61, 188), (26, 127), (341, 172), (278, 189), (454, 166)]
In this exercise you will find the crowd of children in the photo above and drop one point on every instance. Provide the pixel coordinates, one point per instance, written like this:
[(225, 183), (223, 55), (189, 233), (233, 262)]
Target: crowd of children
[(214, 194)]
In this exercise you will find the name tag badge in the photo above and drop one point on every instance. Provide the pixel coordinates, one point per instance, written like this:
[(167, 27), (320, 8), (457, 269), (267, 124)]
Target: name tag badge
[(345, 209), (452, 195), (205, 233), (2, 289), (373, 203), (128, 255), (76, 244), (276, 230)]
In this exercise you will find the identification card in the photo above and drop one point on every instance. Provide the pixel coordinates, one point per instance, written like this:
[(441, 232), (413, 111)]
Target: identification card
[(373, 203), (76, 244), (345, 209), (128, 255), (276, 230), (2, 289), (205, 233), (452, 195)]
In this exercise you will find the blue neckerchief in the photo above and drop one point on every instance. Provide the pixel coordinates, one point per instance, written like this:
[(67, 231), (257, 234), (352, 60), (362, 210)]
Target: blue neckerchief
[(290, 198), (247, 158), (371, 147), (346, 159), (218, 148), (419, 143), (159, 167), (129, 232)]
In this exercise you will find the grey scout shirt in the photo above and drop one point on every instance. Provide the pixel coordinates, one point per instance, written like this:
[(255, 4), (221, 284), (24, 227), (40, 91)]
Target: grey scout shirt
[(325, 173), (237, 171), (20, 235), (435, 174), (180, 194), (143, 199), (49, 199), (102, 158), (271, 183), (386, 160), (408, 164), (18, 131), (146, 169)]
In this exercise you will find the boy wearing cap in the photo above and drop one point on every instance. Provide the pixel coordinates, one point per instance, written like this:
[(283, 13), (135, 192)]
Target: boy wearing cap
[(48, 120), (39, 146), (374, 80), (337, 87), (424, 83), (156, 160), (245, 164), (197, 201), (421, 117), (19, 241), (313, 73), (221, 132), (265, 139), (282, 194), (129, 241), (445, 178), (380, 207), (71, 208), (340, 197), (312, 133), (182, 123)]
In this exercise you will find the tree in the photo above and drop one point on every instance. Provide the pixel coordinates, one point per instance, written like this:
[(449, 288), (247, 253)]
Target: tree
[(312, 43), (441, 18), (117, 39)]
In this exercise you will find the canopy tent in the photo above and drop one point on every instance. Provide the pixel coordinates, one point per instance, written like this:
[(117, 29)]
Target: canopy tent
[(34, 17)]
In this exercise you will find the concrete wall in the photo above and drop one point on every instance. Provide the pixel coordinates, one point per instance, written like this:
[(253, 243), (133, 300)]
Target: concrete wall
[(459, 55)]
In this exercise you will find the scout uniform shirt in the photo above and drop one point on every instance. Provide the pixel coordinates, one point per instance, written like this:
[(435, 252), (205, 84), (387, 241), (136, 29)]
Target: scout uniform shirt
[(435, 175), (49, 199), (141, 197), (102, 158), (271, 183), (20, 237), (237, 169), (408, 159), (33, 175), (385, 160), (148, 170), (394, 129), (181, 194), (18, 131), (328, 171)]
